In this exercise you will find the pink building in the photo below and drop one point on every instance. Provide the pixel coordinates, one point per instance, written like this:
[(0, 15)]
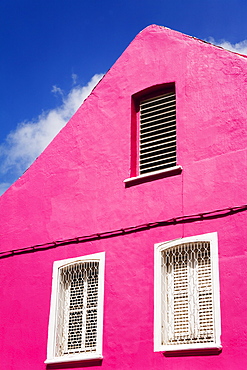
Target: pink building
[(138, 210)]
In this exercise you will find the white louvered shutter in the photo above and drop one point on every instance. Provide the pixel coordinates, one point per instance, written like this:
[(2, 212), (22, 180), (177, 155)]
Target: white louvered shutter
[(205, 294), (157, 133), (187, 312), (77, 309)]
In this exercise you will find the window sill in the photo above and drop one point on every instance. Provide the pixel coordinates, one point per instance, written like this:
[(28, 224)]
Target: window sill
[(70, 359), (176, 170), (190, 350)]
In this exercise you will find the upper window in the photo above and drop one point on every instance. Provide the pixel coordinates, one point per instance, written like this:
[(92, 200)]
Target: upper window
[(76, 316), (155, 121), (157, 133), (187, 314)]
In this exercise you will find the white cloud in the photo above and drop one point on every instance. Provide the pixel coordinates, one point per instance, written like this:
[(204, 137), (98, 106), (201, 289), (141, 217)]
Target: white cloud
[(30, 138), (74, 78), (56, 90), (239, 47)]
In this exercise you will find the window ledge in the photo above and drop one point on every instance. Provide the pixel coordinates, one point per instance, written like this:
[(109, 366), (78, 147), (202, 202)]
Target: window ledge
[(191, 347), (64, 359), (176, 170), (196, 351)]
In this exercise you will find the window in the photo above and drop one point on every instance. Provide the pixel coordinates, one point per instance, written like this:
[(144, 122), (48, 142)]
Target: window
[(76, 316), (157, 133), (187, 314), (154, 130)]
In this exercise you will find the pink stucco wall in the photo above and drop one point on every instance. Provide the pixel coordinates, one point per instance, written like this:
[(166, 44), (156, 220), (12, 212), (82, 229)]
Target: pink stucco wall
[(76, 188)]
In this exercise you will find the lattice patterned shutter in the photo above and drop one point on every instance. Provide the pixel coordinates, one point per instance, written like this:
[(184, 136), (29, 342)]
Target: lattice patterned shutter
[(158, 133), (77, 309), (187, 312)]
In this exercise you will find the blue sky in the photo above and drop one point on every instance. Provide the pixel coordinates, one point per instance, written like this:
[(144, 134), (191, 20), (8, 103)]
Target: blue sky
[(54, 51)]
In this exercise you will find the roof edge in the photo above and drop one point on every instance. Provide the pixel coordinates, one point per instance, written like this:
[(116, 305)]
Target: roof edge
[(154, 27)]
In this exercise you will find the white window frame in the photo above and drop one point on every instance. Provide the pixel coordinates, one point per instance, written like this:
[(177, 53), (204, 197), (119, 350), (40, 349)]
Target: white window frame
[(158, 286), (97, 354)]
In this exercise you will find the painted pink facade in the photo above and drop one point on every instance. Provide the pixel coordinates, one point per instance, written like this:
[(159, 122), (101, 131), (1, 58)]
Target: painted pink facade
[(76, 188)]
